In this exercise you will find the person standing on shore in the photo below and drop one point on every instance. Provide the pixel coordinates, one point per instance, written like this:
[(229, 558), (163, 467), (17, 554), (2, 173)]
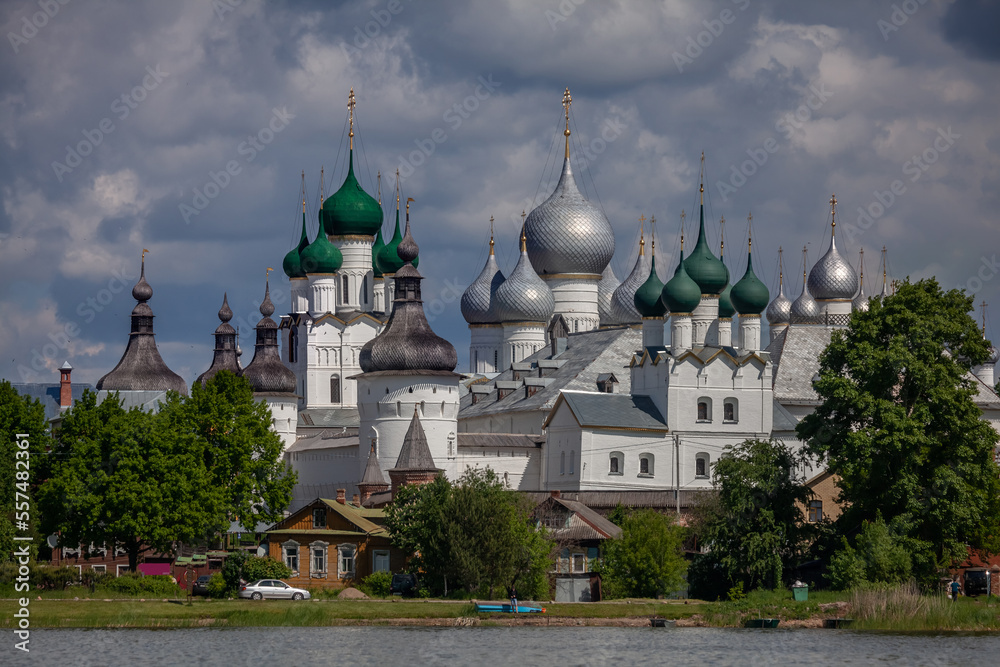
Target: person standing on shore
[(512, 594), (955, 588)]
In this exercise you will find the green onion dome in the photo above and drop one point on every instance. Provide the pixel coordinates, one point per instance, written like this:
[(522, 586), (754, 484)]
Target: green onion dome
[(321, 256), (726, 309), (292, 264), (351, 210), (707, 270), (647, 297), (376, 249), (749, 295), (388, 257), (681, 294)]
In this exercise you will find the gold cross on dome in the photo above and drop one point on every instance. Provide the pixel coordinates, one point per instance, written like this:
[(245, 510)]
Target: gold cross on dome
[(350, 115)]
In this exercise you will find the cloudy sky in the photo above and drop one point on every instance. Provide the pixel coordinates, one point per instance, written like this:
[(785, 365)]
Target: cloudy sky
[(119, 121)]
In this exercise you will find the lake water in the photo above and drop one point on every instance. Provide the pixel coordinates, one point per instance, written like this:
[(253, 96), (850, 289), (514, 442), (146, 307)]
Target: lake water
[(273, 647)]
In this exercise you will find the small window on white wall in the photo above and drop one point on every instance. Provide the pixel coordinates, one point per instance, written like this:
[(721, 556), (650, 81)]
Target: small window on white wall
[(704, 409), (645, 465), (701, 465), (616, 463), (731, 410)]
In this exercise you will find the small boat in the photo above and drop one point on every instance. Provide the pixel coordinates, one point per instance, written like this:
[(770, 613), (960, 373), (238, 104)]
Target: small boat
[(761, 623), (835, 623), (662, 622), (488, 608)]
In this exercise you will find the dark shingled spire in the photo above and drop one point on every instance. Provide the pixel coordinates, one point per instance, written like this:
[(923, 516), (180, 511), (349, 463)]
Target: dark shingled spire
[(266, 373), (141, 368), (373, 481), (407, 343), (225, 358), (415, 456)]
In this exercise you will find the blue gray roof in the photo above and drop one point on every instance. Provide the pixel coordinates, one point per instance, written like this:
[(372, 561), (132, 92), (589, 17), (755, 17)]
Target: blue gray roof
[(48, 394), (614, 411)]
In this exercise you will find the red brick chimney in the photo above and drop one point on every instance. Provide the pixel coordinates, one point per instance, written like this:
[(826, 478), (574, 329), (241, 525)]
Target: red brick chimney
[(556, 493), (342, 496), (65, 388), (356, 500)]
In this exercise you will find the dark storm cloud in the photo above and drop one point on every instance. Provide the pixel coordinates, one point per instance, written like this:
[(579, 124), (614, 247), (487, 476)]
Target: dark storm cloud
[(653, 85)]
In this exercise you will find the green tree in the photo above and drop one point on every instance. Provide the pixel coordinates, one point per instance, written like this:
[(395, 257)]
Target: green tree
[(474, 534), (879, 556), (242, 453), (898, 425), (756, 530), (25, 415), (129, 479), (646, 560)]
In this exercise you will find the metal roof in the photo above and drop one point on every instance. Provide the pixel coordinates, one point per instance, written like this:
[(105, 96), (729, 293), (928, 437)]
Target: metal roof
[(500, 440), (614, 411)]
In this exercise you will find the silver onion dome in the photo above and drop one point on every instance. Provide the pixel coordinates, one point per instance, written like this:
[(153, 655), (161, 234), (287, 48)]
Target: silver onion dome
[(568, 234), (833, 277), (523, 296), (478, 301), (779, 311), (605, 291), (623, 301), (861, 300), (804, 309)]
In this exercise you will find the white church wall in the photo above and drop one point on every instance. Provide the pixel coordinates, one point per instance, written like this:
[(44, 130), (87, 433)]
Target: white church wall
[(526, 421), (518, 468)]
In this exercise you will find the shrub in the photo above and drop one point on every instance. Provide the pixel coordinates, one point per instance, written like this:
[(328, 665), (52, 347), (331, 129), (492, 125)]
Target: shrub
[(376, 584), (134, 583), (241, 565), (880, 555), (217, 586), (46, 577)]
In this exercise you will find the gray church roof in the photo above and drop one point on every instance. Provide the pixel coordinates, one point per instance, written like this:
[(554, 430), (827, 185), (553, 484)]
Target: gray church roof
[(48, 394), (587, 355), (795, 354), (614, 411)]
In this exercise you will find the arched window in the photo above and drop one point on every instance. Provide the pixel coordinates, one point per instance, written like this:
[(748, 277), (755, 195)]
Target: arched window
[(334, 389), (572, 462), (701, 462), (346, 289), (364, 288), (495, 362), (704, 409), (562, 463), (423, 409), (645, 465), (399, 408), (293, 345), (730, 410), (616, 463)]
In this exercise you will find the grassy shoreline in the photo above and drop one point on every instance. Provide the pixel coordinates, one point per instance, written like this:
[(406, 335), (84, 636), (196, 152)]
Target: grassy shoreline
[(874, 613)]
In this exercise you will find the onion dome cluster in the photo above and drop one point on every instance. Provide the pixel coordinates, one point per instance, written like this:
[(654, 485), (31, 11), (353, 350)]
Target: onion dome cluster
[(320, 256), (479, 299), (292, 264), (407, 344), (523, 296), (351, 210), (568, 234)]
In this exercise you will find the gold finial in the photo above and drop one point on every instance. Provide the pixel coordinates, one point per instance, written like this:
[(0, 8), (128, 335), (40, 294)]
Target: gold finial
[(781, 268), (566, 102), (642, 230), (267, 274), (805, 263), (322, 185), (833, 214), (350, 116), (749, 230), (524, 238), (491, 235), (144, 251), (397, 189), (652, 235), (408, 200), (303, 192), (379, 177)]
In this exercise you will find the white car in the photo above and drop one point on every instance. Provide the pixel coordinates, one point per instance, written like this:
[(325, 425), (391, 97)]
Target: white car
[(272, 589)]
